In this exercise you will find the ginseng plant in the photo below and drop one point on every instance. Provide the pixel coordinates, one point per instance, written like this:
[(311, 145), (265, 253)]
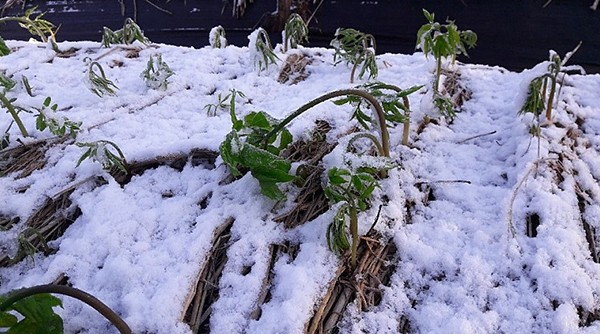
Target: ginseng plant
[(295, 32), (261, 50), (265, 137), (46, 117), (216, 38), (99, 84), (130, 33), (7, 85), (556, 67), (57, 125), (35, 305), (443, 41), (396, 105), (156, 77), (99, 151), (212, 108), (352, 187), (355, 47), (37, 26)]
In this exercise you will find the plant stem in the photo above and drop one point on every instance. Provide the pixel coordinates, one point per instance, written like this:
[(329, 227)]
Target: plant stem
[(25, 21), (355, 66), (71, 292), (406, 102), (14, 114), (369, 136), (125, 164), (437, 75), (551, 98), (385, 137), (354, 233)]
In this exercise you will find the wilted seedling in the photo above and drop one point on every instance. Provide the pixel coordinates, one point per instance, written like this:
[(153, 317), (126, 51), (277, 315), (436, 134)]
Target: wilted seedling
[(130, 33), (216, 38), (211, 109), (157, 73), (355, 47), (36, 27), (25, 248), (295, 32), (58, 126), (100, 85), (261, 50), (100, 151)]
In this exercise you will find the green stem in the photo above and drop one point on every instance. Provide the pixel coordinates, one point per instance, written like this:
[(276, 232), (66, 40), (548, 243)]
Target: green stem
[(551, 98), (406, 129), (26, 21), (14, 114), (355, 66), (438, 74), (369, 136), (385, 137), (71, 292), (354, 233)]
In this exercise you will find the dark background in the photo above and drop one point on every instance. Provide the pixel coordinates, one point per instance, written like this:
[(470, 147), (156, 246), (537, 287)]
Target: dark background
[(515, 34)]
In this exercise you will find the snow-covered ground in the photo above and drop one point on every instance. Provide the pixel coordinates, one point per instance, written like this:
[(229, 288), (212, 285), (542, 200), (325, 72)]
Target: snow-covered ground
[(459, 267)]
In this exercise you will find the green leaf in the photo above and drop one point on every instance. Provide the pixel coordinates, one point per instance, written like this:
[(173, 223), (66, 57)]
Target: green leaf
[(271, 190), (285, 139), (39, 317), (4, 49), (40, 122), (257, 120), (230, 150), (7, 319), (429, 16)]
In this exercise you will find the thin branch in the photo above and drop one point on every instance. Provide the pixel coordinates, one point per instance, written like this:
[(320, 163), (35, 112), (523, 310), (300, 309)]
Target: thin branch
[(478, 136)]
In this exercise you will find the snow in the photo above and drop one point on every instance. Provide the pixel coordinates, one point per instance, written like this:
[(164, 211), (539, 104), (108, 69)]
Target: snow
[(459, 269)]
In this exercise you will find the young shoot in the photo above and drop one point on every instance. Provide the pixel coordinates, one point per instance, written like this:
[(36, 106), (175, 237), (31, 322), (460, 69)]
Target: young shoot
[(130, 33), (36, 27), (443, 41), (212, 109), (99, 84), (101, 151), (216, 38), (57, 125), (261, 50), (556, 67), (295, 32), (157, 73), (353, 189), (356, 48)]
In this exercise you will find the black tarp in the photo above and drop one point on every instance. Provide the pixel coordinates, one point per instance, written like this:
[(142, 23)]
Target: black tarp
[(515, 34)]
